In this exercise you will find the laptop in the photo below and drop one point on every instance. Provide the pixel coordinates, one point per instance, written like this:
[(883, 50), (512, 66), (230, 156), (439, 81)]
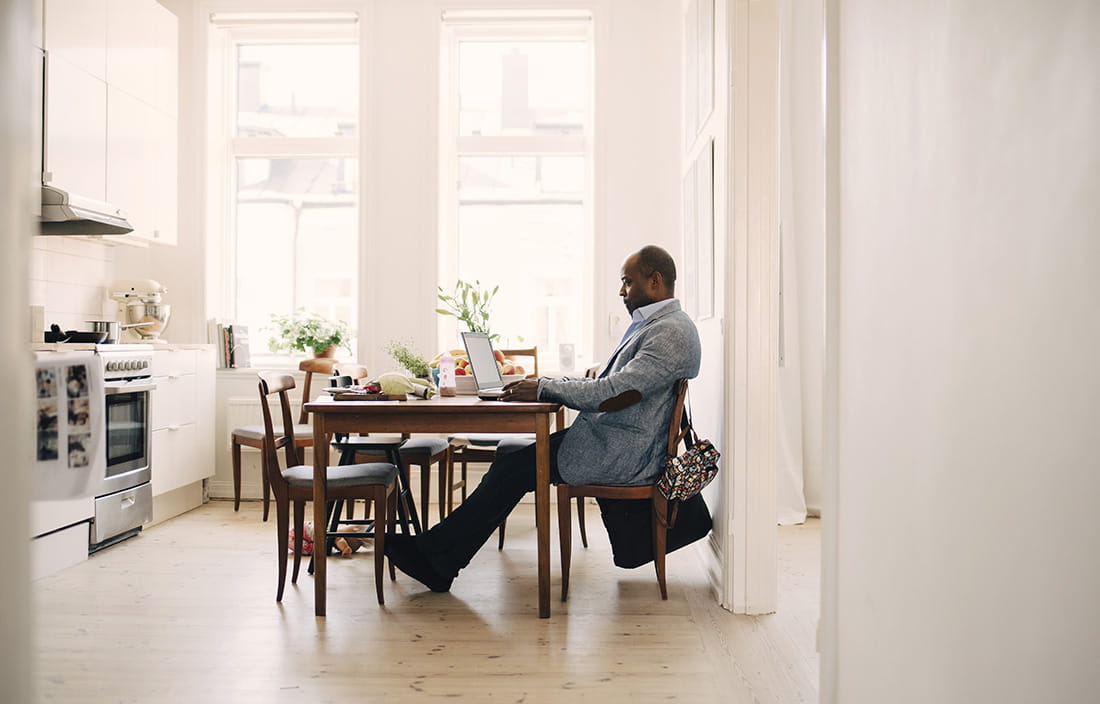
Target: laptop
[(483, 363)]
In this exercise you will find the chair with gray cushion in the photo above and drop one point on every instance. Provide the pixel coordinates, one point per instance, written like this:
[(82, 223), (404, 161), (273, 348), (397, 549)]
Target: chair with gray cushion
[(253, 435), (374, 482)]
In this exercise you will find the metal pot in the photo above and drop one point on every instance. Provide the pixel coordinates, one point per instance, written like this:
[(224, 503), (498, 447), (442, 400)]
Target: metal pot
[(112, 328)]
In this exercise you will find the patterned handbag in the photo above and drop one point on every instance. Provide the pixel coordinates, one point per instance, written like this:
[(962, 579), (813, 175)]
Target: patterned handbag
[(686, 474)]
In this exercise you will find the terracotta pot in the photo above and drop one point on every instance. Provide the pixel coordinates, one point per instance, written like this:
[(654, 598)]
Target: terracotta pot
[(326, 353)]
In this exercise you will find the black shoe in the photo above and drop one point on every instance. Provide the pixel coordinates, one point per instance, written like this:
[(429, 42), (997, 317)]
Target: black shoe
[(406, 556)]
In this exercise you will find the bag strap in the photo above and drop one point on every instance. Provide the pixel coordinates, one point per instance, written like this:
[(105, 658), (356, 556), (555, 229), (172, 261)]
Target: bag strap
[(687, 432)]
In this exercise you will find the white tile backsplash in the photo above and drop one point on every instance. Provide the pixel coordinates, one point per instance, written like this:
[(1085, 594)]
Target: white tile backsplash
[(69, 277)]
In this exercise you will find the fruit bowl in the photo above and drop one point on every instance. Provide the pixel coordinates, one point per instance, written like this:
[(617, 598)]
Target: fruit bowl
[(465, 386)]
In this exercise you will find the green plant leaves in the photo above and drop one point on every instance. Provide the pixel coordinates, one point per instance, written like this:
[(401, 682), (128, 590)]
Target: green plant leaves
[(469, 303), (303, 331)]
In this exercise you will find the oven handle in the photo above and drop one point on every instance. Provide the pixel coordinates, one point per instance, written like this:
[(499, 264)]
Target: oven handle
[(126, 387)]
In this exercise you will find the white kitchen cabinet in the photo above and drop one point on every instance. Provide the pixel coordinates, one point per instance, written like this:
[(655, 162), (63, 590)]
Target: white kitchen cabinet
[(76, 129), (75, 31), (111, 122), (182, 417), (142, 51), (141, 159)]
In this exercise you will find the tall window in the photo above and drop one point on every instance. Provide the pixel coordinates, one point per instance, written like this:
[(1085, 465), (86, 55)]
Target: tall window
[(287, 109), (517, 124)]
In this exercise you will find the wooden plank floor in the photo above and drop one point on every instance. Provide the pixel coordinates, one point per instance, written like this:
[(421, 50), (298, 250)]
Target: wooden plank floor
[(186, 613)]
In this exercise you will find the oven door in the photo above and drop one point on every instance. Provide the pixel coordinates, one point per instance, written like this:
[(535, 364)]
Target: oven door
[(127, 434)]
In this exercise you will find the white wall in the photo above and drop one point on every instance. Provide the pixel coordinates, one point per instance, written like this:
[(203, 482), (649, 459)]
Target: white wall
[(69, 277), (967, 556), (16, 386)]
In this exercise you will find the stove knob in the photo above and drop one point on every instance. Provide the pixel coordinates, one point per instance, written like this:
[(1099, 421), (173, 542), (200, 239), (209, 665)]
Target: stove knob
[(128, 364), (144, 364), (110, 366)]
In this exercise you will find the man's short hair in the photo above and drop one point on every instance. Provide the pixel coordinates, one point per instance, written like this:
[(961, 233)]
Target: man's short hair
[(652, 258)]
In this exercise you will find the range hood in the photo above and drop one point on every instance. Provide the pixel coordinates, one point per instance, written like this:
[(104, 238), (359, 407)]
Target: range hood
[(66, 214)]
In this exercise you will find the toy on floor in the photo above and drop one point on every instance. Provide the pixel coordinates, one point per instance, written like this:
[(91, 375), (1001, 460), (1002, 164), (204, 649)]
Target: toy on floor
[(345, 544)]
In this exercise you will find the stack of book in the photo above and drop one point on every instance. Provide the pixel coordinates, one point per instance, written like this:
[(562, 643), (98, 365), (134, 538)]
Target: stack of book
[(231, 341)]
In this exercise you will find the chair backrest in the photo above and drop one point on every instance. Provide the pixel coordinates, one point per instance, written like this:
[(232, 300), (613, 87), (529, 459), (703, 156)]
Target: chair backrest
[(676, 428), (357, 372), (275, 384), (532, 352), (314, 365)]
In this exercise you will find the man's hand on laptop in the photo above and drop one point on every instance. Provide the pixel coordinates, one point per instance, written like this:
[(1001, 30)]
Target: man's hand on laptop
[(522, 390)]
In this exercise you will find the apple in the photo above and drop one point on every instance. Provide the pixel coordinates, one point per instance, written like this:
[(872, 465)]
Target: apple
[(518, 369), (499, 355), (460, 371), (507, 368)]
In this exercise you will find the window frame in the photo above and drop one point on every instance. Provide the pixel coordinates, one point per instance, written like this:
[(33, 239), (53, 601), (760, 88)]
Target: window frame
[(513, 26), (226, 147)]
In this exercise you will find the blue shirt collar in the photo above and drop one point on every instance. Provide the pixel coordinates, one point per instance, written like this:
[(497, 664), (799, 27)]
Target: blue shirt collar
[(640, 315)]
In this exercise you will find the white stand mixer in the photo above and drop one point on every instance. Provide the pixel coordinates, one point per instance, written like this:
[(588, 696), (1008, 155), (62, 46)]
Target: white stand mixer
[(142, 313)]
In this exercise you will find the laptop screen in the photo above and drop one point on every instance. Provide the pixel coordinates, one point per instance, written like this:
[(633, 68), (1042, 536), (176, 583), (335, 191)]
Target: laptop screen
[(483, 363)]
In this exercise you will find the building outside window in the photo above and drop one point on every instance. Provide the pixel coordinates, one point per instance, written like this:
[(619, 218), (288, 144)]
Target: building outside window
[(285, 104), (516, 158)]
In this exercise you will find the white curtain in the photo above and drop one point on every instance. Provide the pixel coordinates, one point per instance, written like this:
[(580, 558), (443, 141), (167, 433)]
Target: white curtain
[(802, 265)]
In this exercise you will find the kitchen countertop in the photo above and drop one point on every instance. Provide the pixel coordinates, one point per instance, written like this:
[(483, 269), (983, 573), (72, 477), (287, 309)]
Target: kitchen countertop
[(77, 346)]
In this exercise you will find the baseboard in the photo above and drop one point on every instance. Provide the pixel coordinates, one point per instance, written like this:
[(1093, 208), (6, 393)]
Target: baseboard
[(172, 503)]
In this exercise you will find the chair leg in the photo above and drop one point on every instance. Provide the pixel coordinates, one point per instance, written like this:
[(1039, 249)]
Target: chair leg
[(267, 490), (299, 536), (500, 534), (380, 500), (425, 486), (282, 527), (351, 509), (660, 541), (236, 453), (406, 510), (334, 525), (580, 520), (446, 470), (390, 524), (565, 537)]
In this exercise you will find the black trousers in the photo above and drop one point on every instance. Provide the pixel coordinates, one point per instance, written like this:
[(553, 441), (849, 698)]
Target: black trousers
[(453, 542)]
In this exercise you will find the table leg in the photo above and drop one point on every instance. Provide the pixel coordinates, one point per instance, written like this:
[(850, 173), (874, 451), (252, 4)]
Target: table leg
[(542, 508), (320, 539)]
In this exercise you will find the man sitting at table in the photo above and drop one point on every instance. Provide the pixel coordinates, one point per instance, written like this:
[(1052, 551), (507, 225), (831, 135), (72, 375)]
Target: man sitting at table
[(619, 438)]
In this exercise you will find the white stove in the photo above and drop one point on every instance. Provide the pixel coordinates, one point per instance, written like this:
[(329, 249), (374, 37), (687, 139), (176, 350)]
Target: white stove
[(126, 361)]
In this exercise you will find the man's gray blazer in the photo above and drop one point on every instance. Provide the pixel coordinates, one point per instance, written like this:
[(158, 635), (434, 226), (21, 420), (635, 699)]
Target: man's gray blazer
[(627, 447)]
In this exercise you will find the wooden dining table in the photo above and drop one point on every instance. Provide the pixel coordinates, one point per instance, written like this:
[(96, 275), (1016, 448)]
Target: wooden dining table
[(439, 415)]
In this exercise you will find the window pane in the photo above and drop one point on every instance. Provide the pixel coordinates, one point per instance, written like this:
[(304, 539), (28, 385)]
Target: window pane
[(530, 206), (297, 90), (522, 88), (297, 241)]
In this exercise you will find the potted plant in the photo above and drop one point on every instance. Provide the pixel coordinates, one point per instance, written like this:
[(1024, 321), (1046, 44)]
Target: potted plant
[(302, 331), (409, 359), (470, 304)]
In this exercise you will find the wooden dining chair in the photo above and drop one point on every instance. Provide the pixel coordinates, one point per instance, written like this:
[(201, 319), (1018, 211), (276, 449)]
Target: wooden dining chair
[(566, 492), (253, 435), (373, 482)]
